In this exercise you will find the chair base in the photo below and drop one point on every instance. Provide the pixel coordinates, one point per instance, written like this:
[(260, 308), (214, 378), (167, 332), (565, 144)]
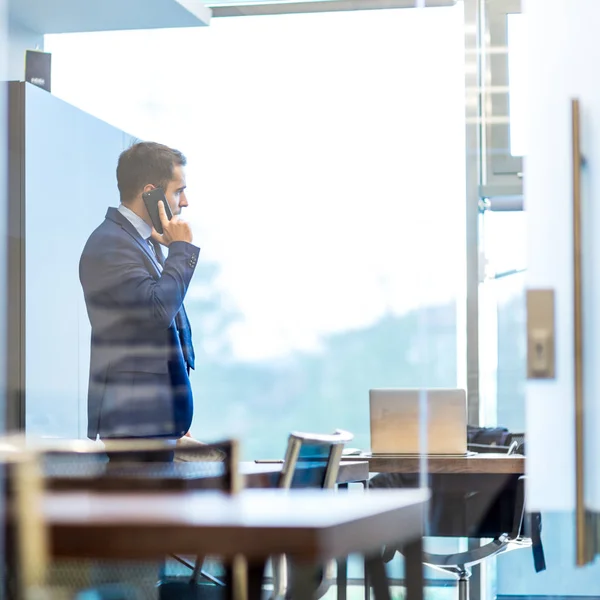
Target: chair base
[(463, 584), (464, 577)]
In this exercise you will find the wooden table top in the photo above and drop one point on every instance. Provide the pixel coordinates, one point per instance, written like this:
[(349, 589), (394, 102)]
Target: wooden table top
[(308, 525), (72, 476), (477, 464)]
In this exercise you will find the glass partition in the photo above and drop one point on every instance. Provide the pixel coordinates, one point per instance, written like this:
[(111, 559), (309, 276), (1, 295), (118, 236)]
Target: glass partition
[(326, 188)]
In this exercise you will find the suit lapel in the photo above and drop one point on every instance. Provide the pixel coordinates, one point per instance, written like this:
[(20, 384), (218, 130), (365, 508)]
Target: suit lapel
[(184, 324), (114, 215)]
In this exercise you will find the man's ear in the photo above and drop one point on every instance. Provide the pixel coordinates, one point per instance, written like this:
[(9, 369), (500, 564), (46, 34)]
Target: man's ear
[(148, 188)]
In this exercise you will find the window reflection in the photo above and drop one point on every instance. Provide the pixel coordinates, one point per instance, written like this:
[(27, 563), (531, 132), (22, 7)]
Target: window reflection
[(326, 189), (517, 74), (503, 300)]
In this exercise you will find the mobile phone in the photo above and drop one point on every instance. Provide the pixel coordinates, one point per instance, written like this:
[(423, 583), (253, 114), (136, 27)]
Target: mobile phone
[(151, 200)]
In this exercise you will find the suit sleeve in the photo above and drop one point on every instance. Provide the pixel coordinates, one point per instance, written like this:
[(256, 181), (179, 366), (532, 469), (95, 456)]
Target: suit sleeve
[(118, 280)]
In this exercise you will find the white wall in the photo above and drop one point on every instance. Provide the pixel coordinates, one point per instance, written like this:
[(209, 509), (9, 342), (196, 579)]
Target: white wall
[(564, 50), (586, 57)]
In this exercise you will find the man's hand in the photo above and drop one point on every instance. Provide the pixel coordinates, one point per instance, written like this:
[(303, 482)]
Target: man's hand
[(175, 230)]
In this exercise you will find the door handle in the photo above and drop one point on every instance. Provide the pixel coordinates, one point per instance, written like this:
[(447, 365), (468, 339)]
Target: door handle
[(584, 548)]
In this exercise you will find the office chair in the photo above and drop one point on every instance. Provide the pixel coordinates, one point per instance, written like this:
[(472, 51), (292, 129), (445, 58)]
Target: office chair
[(135, 465), (230, 483), (514, 444), (460, 563), (26, 536), (311, 460), (523, 531)]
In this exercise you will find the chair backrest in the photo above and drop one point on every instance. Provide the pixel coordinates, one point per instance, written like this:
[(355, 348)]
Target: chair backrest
[(517, 442), (26, 537), (313, 460), (518, 528), (140, 464), (84, 465), (514, 443)]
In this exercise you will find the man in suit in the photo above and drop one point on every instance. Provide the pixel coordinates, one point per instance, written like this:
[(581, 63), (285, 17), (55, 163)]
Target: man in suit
[(141, 345)]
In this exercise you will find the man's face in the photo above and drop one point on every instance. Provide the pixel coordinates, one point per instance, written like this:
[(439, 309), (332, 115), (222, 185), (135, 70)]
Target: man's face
[(175, 191)]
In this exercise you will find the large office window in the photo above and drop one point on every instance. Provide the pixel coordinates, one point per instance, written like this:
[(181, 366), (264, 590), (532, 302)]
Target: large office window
[(326, 182), (503, 319)]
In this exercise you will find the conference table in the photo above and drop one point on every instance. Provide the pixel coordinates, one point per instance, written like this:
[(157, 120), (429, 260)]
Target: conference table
[(309, 526)]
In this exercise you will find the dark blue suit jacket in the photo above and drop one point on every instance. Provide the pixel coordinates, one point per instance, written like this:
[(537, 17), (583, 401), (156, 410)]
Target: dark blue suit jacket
[(139, 384)]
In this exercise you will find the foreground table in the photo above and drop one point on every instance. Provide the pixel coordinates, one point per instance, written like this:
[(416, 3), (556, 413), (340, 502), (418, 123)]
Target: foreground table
[(309, 526)]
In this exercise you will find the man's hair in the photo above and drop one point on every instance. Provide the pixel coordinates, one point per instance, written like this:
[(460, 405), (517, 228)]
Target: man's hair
[(144, 163)]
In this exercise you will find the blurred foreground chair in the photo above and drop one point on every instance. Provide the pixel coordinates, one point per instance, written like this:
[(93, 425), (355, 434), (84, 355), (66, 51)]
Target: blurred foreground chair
[(134, 466), (26, 549)]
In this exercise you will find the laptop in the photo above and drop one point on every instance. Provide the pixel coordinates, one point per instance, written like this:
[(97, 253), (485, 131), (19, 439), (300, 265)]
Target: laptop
[(395, 422)]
